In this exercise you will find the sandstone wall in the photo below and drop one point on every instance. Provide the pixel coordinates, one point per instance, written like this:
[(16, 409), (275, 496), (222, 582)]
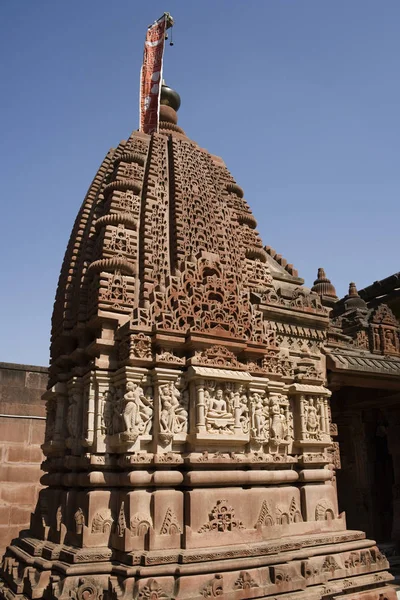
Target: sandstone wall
[(22, 422)]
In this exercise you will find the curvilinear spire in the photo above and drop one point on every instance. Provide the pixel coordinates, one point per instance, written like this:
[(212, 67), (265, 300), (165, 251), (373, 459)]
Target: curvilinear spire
[(188, 425)]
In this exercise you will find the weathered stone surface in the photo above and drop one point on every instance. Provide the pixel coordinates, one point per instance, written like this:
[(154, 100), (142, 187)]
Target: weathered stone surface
[(22, 426)]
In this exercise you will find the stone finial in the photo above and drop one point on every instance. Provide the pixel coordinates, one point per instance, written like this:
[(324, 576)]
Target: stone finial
[(170, 102), (353, 289), (323, 286), (353, 299)]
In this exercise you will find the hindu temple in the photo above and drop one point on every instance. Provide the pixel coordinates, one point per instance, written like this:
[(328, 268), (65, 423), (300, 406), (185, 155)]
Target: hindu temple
[(191, 445)]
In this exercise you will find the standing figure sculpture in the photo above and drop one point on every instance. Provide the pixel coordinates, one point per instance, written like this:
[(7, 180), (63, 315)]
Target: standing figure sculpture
[(313, 425), (136, 409), (278, 422)]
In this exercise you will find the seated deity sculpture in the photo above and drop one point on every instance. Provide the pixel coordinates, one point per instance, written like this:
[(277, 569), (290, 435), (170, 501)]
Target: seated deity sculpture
[(218, 406), (218, 416)]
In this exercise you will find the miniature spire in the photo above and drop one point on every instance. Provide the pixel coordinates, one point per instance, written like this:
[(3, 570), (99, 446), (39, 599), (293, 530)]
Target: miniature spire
[(323, 286), (353, 300), (353, 289)]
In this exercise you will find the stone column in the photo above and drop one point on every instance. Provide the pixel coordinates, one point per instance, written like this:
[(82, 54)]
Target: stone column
[(200, 407)]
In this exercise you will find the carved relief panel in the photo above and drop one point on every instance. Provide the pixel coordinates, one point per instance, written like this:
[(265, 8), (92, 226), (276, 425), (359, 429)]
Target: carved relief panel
[(126, 411), (222, 408), (312, 416), (174, 415), (271, 422)]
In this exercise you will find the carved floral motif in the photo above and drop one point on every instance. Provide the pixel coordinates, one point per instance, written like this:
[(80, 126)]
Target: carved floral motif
[(152, 591), (245, 581), (222, 518), (214, 588)]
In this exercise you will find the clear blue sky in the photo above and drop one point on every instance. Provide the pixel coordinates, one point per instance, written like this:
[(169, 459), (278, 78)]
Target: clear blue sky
[(300, 98)]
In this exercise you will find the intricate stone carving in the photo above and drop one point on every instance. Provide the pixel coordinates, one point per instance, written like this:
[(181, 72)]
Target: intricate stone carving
[(79, 521), (121, 521), (279, 421), (102, 521), (329, 565), (259, 406), (140, 524), (265, 518), (132, 412), (245, 581), (214, 588), (152, 591), (217, 356), (222, 518), (219, 409), (170, 524), (115, 291), (324, 511), (88, 589), (165, 273), (294, 512), (174, 411)]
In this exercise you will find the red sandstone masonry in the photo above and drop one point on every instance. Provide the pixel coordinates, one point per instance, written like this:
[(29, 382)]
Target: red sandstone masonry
[(21, 434)]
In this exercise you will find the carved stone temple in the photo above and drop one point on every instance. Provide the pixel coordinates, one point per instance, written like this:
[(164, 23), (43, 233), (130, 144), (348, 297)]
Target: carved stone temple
[(188, 438)]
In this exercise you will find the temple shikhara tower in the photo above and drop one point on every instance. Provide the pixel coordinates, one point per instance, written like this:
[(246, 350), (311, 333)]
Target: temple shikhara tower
[(188, 441)]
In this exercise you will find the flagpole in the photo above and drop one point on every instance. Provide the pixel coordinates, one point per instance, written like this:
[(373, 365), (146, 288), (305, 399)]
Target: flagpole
[(151, 73)]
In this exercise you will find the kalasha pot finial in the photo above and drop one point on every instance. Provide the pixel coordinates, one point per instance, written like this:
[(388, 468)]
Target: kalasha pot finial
[(169, 97), (170, 102)]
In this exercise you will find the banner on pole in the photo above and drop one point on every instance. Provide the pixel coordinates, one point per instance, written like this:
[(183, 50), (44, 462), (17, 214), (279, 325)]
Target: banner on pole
[(151, 74)]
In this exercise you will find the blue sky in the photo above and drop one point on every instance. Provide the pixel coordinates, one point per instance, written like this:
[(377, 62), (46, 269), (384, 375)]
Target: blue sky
[(300, 97)]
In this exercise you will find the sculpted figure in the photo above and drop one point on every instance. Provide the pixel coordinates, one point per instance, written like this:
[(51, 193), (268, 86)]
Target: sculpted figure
[(107, 419), (258, 416), (137, 411), (217, 407), (389, 341), (72, 416), (242, 409), (278, 421), (116, 426), (312, 417), (173, 417)]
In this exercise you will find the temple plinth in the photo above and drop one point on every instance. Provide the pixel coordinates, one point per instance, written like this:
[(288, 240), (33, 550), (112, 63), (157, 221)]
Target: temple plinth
[(188, 428)]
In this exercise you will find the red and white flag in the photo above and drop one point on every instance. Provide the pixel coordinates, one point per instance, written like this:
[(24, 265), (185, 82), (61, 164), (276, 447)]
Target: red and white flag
[(151, 74)]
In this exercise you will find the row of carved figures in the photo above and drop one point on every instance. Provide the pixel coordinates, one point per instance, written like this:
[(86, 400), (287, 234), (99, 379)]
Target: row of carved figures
[(221, 408)]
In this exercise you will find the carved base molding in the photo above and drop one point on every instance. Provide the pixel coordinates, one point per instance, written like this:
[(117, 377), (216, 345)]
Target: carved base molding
[(329, 565)]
